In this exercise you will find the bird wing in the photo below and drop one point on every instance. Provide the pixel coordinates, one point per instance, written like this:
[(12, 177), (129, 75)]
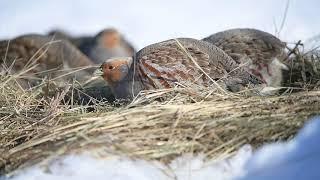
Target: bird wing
[(164, 64), (45, 49), (258, 45), (43, 54)]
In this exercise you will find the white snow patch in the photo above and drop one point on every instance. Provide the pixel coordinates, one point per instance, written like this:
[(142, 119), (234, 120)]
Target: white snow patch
[(190, 167), (85, 166), (297, 159)]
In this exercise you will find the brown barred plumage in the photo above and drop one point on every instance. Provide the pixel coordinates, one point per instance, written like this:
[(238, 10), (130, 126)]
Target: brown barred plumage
[(262, 52), (163, 64), (44, 54)]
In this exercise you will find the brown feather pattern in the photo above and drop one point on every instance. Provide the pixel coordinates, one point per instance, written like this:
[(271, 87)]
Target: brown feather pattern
[(42, 52), (258, 45), (164, 64)]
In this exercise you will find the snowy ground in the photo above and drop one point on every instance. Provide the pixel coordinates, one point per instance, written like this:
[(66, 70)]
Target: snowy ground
[(297, 159)]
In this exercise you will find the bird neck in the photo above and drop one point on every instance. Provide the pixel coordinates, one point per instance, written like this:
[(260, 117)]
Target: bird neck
[(130, 86)]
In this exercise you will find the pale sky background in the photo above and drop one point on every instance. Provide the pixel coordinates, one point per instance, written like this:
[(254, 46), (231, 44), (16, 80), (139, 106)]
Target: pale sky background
[(148, 21)]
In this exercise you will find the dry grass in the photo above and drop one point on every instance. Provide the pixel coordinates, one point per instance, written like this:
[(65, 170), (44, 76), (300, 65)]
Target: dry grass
[(34, 126)]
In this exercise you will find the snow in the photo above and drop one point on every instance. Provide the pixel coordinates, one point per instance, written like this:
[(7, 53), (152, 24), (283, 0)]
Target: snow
[(296, 159), (189, 167), (85, 166)]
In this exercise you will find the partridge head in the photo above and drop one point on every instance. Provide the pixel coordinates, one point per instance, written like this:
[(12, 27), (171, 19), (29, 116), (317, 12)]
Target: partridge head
[(107, 44), (164, 64), (116, 69), (260, 52)]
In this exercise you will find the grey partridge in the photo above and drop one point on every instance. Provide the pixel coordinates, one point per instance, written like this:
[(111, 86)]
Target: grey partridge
[(106, 44), (260, 51), (40, 56), (164, 64)]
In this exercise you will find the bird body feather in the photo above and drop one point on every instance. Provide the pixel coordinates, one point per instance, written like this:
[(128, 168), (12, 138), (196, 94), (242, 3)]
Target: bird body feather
[(164, 64)]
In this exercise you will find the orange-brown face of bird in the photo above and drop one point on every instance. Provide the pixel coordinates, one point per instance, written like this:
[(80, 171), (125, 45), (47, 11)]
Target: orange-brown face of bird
[(115, 69), (111, 39)]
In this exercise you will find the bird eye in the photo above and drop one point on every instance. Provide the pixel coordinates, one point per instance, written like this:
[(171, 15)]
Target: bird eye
[(111, 67)]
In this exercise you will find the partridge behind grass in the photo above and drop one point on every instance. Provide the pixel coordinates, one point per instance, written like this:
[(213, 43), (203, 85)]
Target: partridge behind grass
[(37, 56), (164, 64), (106, 44), (261, 51)]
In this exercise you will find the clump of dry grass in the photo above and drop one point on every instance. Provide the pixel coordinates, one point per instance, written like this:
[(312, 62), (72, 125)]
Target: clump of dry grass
[(162, 132), (304, 68), (34, 126)]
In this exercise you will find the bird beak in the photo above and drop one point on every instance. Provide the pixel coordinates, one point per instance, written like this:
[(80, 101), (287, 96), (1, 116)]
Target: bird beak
[(98, 72)]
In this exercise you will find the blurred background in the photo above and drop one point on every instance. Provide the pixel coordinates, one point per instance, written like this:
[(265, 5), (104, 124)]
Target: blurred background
[(144, 22)]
